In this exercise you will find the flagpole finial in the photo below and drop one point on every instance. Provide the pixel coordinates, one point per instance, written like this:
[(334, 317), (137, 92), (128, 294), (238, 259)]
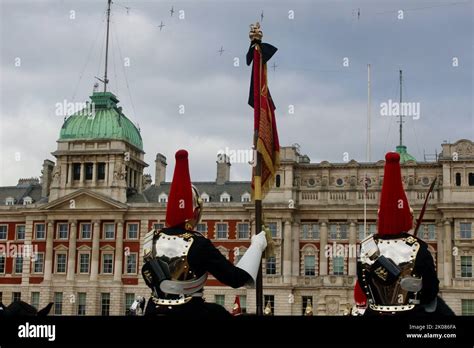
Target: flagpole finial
[(255, 32)]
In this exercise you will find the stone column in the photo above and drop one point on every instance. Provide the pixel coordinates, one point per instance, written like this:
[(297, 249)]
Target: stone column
[(48, 257), (296, 250), (83, 173), (94, 173), (71, 265), (70, 178), (119, 252), (440, 251), (95, 250), (28, 252), (323, 237), (352, 248), (448, 257), (287, 246)]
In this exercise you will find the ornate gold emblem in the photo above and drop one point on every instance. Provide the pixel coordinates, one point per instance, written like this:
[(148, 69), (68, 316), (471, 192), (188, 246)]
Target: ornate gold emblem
[(255, 32), (410, 240), (381, 273)]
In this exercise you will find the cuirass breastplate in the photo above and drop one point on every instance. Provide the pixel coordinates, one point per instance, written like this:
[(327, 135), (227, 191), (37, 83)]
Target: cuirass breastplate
[(386, 292)]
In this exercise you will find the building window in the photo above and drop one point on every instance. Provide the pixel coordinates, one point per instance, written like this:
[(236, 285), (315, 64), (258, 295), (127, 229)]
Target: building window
[(246, 197), (84, 261), (466, 230), (243, 230), (2, 264), (16, 296), (81, 303), (27, 200), (132, 231), (76, 171), (58, 303), (38, 263), (225, 197), (202, 228), (105, 304), (221, 231), (220, 300), (109, 231), (101, 171), (277, 180), (269, 300), (129, 299), (35, 299), (61, 263), (305, 301), (63, 230), (338, 265), (3, 232), (271, 265), (466, 266), (205, 197), (163, 198), (20, 232), (309, 265), (470, 179), (467, 307), (158, 226), (107, 263), (273, 229), (371, 229), (19, 264), (132, 263), (10, 201), (40, 231), (309, 231), (89, 170), (338, 231), (86, 231), (458, 179)]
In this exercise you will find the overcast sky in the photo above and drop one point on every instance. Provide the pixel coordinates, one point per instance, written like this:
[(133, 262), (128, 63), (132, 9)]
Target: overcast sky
[(60, 48)]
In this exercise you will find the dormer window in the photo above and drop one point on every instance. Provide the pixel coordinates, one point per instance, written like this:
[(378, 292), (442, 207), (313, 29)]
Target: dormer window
[(163, 198), (225, 197), (246, 197), (205, 197), (10, 201), (27, 200)]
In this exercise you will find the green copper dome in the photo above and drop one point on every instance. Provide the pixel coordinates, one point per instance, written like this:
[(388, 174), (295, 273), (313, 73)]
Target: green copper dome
[(404, 155), (101, 119)]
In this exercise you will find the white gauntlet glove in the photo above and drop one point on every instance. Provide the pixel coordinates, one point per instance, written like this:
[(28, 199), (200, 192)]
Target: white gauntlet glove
[(250, 261)]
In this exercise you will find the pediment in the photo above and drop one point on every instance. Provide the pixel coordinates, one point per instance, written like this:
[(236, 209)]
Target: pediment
[(84, 199)]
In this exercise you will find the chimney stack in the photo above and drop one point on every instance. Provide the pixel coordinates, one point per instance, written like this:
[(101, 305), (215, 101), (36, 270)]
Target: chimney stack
[(160, 169), (47, 177), (223, 169)]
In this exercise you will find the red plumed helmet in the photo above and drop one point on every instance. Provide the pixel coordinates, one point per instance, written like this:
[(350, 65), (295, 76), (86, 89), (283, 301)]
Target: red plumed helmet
[(359, 297), (236, 309), (394, 212), (180, 201)]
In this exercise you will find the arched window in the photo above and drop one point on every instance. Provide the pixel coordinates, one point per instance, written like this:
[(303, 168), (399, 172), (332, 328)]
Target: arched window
[(277, 180), (309, 260)]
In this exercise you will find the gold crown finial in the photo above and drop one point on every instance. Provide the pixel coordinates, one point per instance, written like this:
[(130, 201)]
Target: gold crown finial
[(255, 32)]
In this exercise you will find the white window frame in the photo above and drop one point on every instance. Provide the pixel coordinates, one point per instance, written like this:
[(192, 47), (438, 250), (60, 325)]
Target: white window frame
[(156, 225), (10, 201), (136, 263), (238, 230), (105, 232), (80, 230), (246, 197), (128, 230), (16, 231), (15, 264), (205, 197), (224, 197), (217, 230), (56, 256), (460, 229), (89, 263), (104, 253), (35, 231), (472, 266), (4, 263), (6, 235), (163, 198), (35, 262), (27, 200), (58, 231)]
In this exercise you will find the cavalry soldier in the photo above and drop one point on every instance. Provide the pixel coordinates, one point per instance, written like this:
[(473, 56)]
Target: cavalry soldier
[(177, 259), (395, 269)]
